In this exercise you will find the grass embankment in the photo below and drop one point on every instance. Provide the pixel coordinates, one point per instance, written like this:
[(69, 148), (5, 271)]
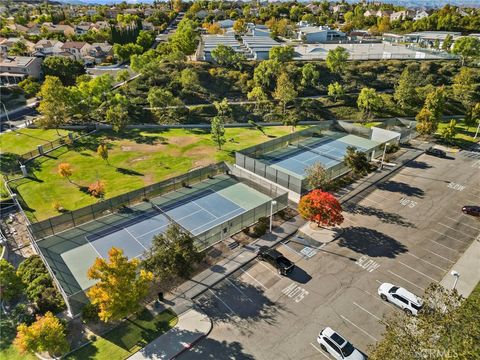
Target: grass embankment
[(463, 138), (136, 159), (127, 338), (24, 140)]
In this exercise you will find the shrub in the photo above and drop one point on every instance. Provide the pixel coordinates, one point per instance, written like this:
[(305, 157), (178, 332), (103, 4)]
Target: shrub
[(97, 189), (90, 313), (22, 314), (57, 206), (392, 149), (260, 228)]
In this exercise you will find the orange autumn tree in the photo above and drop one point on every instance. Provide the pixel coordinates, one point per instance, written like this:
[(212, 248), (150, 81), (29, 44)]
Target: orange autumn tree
[(97, 189), (46, 334), (321, 208), (65, 170)]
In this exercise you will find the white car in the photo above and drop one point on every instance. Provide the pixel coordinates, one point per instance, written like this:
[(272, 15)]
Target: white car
[(337, 346), (404, 299)]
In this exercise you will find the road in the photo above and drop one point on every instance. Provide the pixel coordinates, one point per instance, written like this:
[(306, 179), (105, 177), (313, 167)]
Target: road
[(407, 230)]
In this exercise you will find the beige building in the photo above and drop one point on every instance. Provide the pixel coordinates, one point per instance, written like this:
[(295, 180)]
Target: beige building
[(14, 69)]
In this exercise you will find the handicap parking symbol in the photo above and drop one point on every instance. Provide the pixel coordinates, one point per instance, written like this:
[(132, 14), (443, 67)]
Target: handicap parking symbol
[(308, 251)]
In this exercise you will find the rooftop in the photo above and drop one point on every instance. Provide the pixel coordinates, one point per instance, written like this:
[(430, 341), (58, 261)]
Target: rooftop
[(16, 61)]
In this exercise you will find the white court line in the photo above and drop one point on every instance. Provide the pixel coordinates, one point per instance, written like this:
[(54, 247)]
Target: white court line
[(448, 236), (216, 218), (93, 247), (474, 228), (379, 299), (320, 351), (358, 327), (258, 282), (461, 232), (446, 247), (223, 302), (440, 256), (400, 277), (238, 289), (134, 238), (429, 263), (265, 266), (421, 273), (156, 229), (368, 312)]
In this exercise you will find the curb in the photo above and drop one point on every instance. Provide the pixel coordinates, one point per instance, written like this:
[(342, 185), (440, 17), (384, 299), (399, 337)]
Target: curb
[(196, 341)]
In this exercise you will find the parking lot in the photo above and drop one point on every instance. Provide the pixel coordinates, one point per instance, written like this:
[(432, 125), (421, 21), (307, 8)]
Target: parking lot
[(407, 230)]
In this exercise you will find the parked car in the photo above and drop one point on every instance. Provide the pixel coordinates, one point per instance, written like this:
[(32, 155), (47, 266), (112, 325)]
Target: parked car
[(471, 210), (276, 259), (436, 152), (337, 346), (404, 299)]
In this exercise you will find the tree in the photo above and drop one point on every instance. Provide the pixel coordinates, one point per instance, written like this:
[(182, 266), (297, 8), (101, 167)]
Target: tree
[(102, 151), (120, 286), (189, 80), (426, 123), (369, 101), (117, 116), (124, 52), (64, 68), (316, 176), (218, 131), (435, 102), (449, 132), (405, 90), (336, 59), (54, 105), (164, 104), (285, 90), (310, 75), (145, 39), (225, 55), (335, 89), (97, 189), (321, 208), (185, 38), (240, 26), (172, 253), (65, 170), (122, 75), (281, 53), (258, 95), (223, 110), (448, 327), (472, 116), (265, 74), (18, 48), (447, 43), (356, 160), (465, 87), (46, 334), (467, 47), (30, 86), (258, 127), (10, 284)]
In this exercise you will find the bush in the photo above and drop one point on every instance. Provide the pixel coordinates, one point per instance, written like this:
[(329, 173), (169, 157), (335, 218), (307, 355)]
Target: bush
[(31, 268), (90, 313), (22, 314), (260, 228), (392, 149)]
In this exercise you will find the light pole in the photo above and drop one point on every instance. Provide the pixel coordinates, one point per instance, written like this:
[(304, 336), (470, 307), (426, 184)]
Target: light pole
[(6, 115), (456, 275), (272, 203), (476, 132), (383, 156)]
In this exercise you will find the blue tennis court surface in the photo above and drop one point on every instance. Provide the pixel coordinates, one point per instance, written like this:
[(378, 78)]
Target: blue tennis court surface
[(329, 151)]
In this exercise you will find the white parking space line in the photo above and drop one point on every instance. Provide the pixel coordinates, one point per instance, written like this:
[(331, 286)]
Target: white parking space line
[(473, 227), (223, 302), (238, 289), (258, 282), (448, 236), (378, 281), (320, 351), (292, 250), (267, 267), (446, 247), (451, 228), (421, 273), (368, 312), (359, 328), (440, 256), (378, 298), (373, 201), (425, 261), (353, 222), (401, 277)]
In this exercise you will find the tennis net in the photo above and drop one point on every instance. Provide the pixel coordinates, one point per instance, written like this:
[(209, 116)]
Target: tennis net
[(319, 152), (164, 213)]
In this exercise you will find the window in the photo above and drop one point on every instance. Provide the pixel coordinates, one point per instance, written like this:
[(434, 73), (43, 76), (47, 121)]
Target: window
[(401, 299), (332, 345)]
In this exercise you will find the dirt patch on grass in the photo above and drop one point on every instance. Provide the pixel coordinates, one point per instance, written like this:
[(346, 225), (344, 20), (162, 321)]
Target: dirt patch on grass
[(183, 140), (131, 146), (148, 179), (141, 158)]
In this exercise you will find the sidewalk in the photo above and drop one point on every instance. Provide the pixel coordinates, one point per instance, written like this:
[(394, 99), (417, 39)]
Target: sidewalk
[(468, 267)]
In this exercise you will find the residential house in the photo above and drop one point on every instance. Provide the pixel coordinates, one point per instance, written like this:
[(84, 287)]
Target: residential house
[(225, 24), (99, 52), (382, 13), (202, 14), (14, 69), (59, 29), (147, 25), (338, 8), (46, 47), (79, 49), (101, 25), (320, 34), (91, 12), (83, 28), (369, 13), (401, 15), (18, 28), (6, 44), (112, 13), (419, 15)]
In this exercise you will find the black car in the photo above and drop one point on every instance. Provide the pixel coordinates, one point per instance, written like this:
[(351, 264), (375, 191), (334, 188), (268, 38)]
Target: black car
[(436, 152), (471, 210), (275, 258)]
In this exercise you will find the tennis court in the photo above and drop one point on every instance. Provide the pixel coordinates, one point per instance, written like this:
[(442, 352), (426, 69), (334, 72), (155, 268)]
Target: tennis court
[(212, 209), (328, 150)]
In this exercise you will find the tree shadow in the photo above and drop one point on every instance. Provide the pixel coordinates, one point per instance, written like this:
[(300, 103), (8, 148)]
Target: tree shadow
[(211, 349), (384, 216), (128, 172), (86, 143), (10, 163), (241, 305), (199, 131), (401, 187), (417, 164), (370, 242)]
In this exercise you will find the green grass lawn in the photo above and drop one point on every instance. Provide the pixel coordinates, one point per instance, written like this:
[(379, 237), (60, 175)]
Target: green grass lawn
[(127, 338), (25, 140), (136, 159), (464, 136), (7, 350)]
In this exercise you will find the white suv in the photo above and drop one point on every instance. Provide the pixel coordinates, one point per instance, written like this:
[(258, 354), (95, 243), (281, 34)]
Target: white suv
[(337, 346), (404, 299)]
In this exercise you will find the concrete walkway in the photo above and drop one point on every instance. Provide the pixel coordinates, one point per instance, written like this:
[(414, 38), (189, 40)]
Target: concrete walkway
[(468, 266), (191, 327)]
